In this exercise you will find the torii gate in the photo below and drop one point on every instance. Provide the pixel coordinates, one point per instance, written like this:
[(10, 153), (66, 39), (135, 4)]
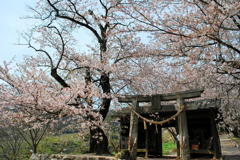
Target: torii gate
[(180, 107)]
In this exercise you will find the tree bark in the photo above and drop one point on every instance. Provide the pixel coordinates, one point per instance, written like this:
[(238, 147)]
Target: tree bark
[(34, 148), (98, 145)]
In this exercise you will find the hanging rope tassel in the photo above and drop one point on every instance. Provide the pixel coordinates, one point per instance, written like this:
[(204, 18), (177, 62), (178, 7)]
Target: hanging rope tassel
[(158, 122), (145, 125), (156, 128)]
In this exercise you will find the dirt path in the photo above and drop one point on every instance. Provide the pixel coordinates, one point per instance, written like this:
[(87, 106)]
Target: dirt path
[(230, 150)]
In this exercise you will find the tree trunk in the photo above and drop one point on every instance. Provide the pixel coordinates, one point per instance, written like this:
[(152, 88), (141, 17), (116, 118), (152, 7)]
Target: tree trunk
[(98, 145), (34, 148)]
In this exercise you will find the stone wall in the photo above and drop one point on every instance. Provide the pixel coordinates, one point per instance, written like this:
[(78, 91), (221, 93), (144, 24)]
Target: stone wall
[(69, 157)]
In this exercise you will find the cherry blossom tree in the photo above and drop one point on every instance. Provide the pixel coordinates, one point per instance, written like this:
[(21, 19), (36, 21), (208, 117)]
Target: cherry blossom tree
[(11, 143), (19, 133), (82, 82), (31, 101), (200, 38), (98, 69)]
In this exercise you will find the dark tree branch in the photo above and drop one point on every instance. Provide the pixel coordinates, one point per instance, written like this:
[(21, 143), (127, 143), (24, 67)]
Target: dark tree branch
[(55, 75), (86, 25), (43, 51), (63, 45), (223, 43)]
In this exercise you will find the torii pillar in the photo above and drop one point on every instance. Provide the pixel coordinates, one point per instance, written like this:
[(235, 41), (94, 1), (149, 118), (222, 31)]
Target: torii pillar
[(133, 132), (183, 131)]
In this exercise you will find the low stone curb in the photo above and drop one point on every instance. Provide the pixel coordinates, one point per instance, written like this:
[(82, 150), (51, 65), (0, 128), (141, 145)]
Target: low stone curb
[(69, 157)]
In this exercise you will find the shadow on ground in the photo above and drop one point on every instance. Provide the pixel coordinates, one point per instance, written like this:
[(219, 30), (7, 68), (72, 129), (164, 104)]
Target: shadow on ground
[(231, 157)]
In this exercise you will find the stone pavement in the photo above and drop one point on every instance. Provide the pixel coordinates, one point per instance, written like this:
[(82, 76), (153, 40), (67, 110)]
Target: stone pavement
[(230, 149)]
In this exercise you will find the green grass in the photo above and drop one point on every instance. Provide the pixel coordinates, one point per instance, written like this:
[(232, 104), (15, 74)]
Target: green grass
[(66, 143), (72, 144), (55, 144), (169, 147), (168, 143)]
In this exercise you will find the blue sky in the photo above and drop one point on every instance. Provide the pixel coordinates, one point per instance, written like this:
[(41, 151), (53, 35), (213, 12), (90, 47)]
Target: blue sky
[(13, 24), (11, 27)]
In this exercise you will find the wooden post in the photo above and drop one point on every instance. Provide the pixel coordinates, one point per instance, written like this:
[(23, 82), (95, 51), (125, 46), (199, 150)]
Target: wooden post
[(146, 139), (159, 149), (156, 101), (183, 131), (146, 143), (216, 139), (133, 132)]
